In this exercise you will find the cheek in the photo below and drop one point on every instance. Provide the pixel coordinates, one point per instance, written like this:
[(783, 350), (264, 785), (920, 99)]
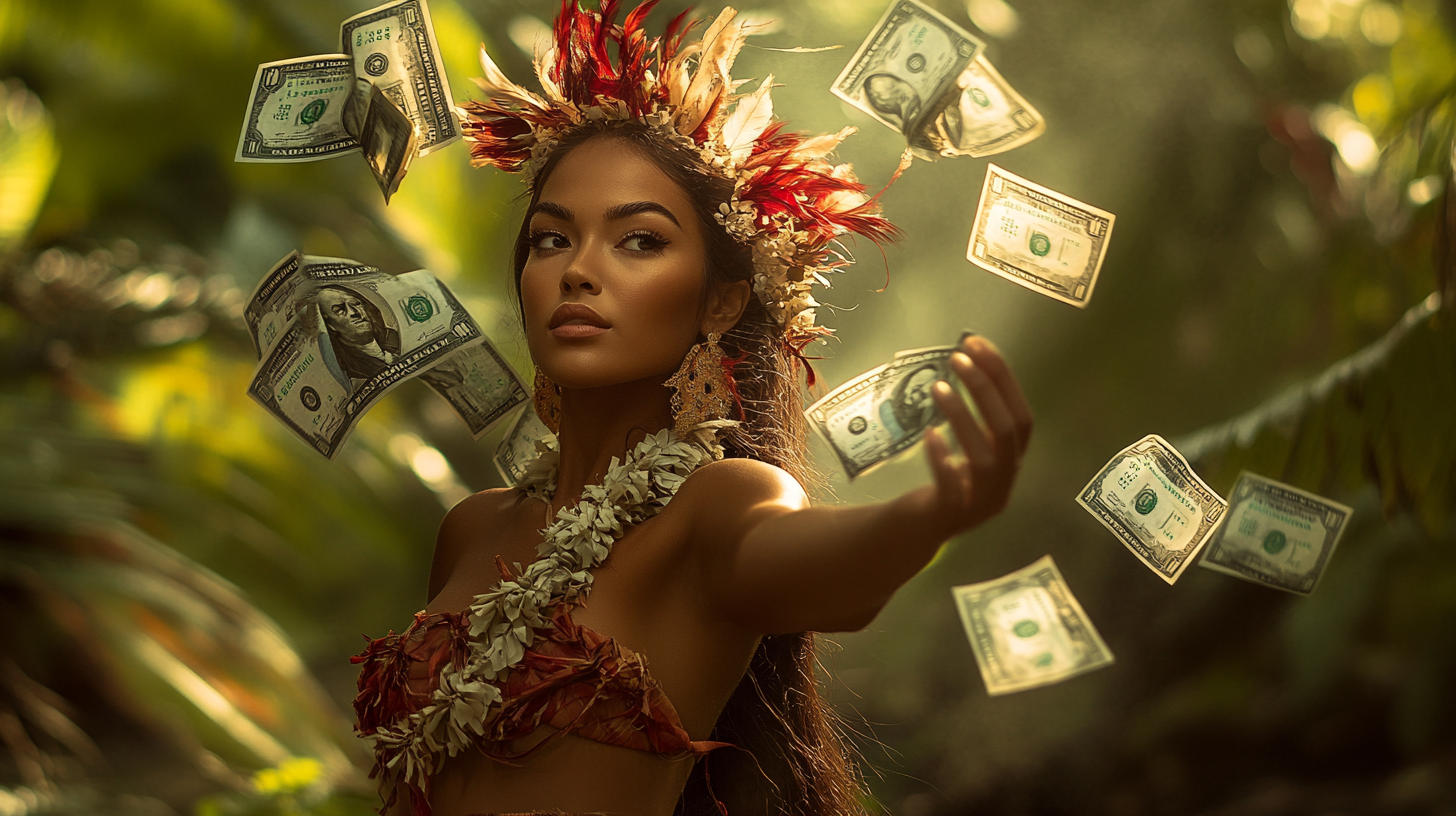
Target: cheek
[(538, 295), (664, 298)]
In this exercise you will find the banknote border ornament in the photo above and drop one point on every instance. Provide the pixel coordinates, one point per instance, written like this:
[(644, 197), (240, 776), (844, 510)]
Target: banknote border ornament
[(1233, 567), (1155, 446), (790, 204)]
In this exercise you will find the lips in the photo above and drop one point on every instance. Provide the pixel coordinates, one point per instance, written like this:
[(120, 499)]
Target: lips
[(577, 320)]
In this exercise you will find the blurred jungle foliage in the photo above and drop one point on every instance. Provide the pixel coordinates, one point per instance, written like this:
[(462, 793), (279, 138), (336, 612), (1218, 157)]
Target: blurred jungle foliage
[(182, 582)]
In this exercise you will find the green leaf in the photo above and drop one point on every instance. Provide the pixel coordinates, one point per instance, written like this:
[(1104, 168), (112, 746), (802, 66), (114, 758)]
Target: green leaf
[(28, 159), (1385, 416)]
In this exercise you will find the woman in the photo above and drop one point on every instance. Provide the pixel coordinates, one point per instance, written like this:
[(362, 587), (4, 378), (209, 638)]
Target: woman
[(671, 240)]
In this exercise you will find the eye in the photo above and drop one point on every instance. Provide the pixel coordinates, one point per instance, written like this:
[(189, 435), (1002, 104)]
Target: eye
[(644, 241), (546, 241)]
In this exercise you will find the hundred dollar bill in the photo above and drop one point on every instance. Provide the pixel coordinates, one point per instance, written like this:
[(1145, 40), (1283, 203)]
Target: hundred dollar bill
[(521, 445), (1276, 535), (393, 47), (476, 380), (883, 411), (478, 384), (988, 117), (1150, 498), (905, 73), (1039, 238), (357, 335), (1027, 630), (277, 298)]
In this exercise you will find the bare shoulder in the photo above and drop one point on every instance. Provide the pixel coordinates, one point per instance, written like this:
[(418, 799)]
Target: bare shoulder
[(478, 508), (486, 510), (727, 494)]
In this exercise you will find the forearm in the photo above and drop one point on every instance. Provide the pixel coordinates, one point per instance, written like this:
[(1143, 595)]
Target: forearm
[(833, 568)]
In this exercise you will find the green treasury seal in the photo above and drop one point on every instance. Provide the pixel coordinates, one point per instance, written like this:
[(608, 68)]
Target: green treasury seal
[(419, 308), (1145, 502), (312, 112)]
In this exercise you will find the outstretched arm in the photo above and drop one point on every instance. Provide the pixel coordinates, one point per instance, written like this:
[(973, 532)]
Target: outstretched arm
[(772, 563)]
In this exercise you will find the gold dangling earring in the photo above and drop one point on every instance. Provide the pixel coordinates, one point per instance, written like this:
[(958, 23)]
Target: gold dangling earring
[(703, 387), (547, 399)]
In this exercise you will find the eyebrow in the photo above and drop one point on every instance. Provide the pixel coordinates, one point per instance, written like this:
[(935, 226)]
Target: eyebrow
[(615, 213)]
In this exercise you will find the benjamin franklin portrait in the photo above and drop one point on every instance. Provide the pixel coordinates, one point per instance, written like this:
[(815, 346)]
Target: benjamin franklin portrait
[(363, 343)]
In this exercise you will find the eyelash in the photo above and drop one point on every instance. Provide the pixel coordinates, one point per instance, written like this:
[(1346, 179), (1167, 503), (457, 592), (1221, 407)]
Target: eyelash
[(659, 243), (534, 238), (653, 237)]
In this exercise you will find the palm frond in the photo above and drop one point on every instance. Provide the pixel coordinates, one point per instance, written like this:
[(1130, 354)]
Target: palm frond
[(1383, 416)]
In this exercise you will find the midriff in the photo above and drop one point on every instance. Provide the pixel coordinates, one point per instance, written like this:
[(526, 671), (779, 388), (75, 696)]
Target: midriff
[(570, 774)]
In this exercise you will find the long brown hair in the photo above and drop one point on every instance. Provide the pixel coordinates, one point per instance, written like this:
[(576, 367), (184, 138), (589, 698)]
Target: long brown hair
[(795, 758)]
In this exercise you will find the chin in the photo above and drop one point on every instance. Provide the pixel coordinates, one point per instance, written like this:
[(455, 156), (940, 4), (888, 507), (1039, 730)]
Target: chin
[(594, 362)]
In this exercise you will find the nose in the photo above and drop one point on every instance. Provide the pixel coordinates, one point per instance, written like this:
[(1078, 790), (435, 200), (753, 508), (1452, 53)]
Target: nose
[(578, 277), (355, 311)]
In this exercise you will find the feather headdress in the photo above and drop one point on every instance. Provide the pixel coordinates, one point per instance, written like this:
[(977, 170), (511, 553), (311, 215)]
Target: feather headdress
[(790, 203)]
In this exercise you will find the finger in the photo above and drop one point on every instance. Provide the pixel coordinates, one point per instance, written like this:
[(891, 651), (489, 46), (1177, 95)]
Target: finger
[(985, 355), (998, 419), (972, 438), (948, 480)]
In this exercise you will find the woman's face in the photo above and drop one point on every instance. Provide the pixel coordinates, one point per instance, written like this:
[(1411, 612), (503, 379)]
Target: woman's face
[(614, 281)]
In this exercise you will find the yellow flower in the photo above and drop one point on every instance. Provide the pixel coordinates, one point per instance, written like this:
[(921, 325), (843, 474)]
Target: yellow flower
[(293, 775)]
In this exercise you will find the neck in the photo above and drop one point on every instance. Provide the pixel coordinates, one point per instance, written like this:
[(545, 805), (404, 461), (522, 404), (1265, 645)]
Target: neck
[(598, 424)]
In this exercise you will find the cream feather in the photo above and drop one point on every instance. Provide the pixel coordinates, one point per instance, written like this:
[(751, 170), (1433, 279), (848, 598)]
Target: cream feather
[(820, 146), (750, 117), (545, 62), (497, 85), (675, 75), (721, 44)]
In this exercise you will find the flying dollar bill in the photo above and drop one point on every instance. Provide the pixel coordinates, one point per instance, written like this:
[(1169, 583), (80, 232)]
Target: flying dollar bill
[(357, 335), (1150, 498), (296, 111), (987, 117), (317, 107), (1027, 630), (906, 72), (479, 384), (883, 411), (393, 46), (1276, 535), (1039, 238), (365, 321), (521, 445)]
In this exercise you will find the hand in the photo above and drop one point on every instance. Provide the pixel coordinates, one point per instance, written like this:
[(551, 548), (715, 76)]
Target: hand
[(970, 490)]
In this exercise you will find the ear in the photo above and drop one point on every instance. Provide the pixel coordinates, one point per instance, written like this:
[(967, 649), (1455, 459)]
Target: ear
[(725, 306)]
